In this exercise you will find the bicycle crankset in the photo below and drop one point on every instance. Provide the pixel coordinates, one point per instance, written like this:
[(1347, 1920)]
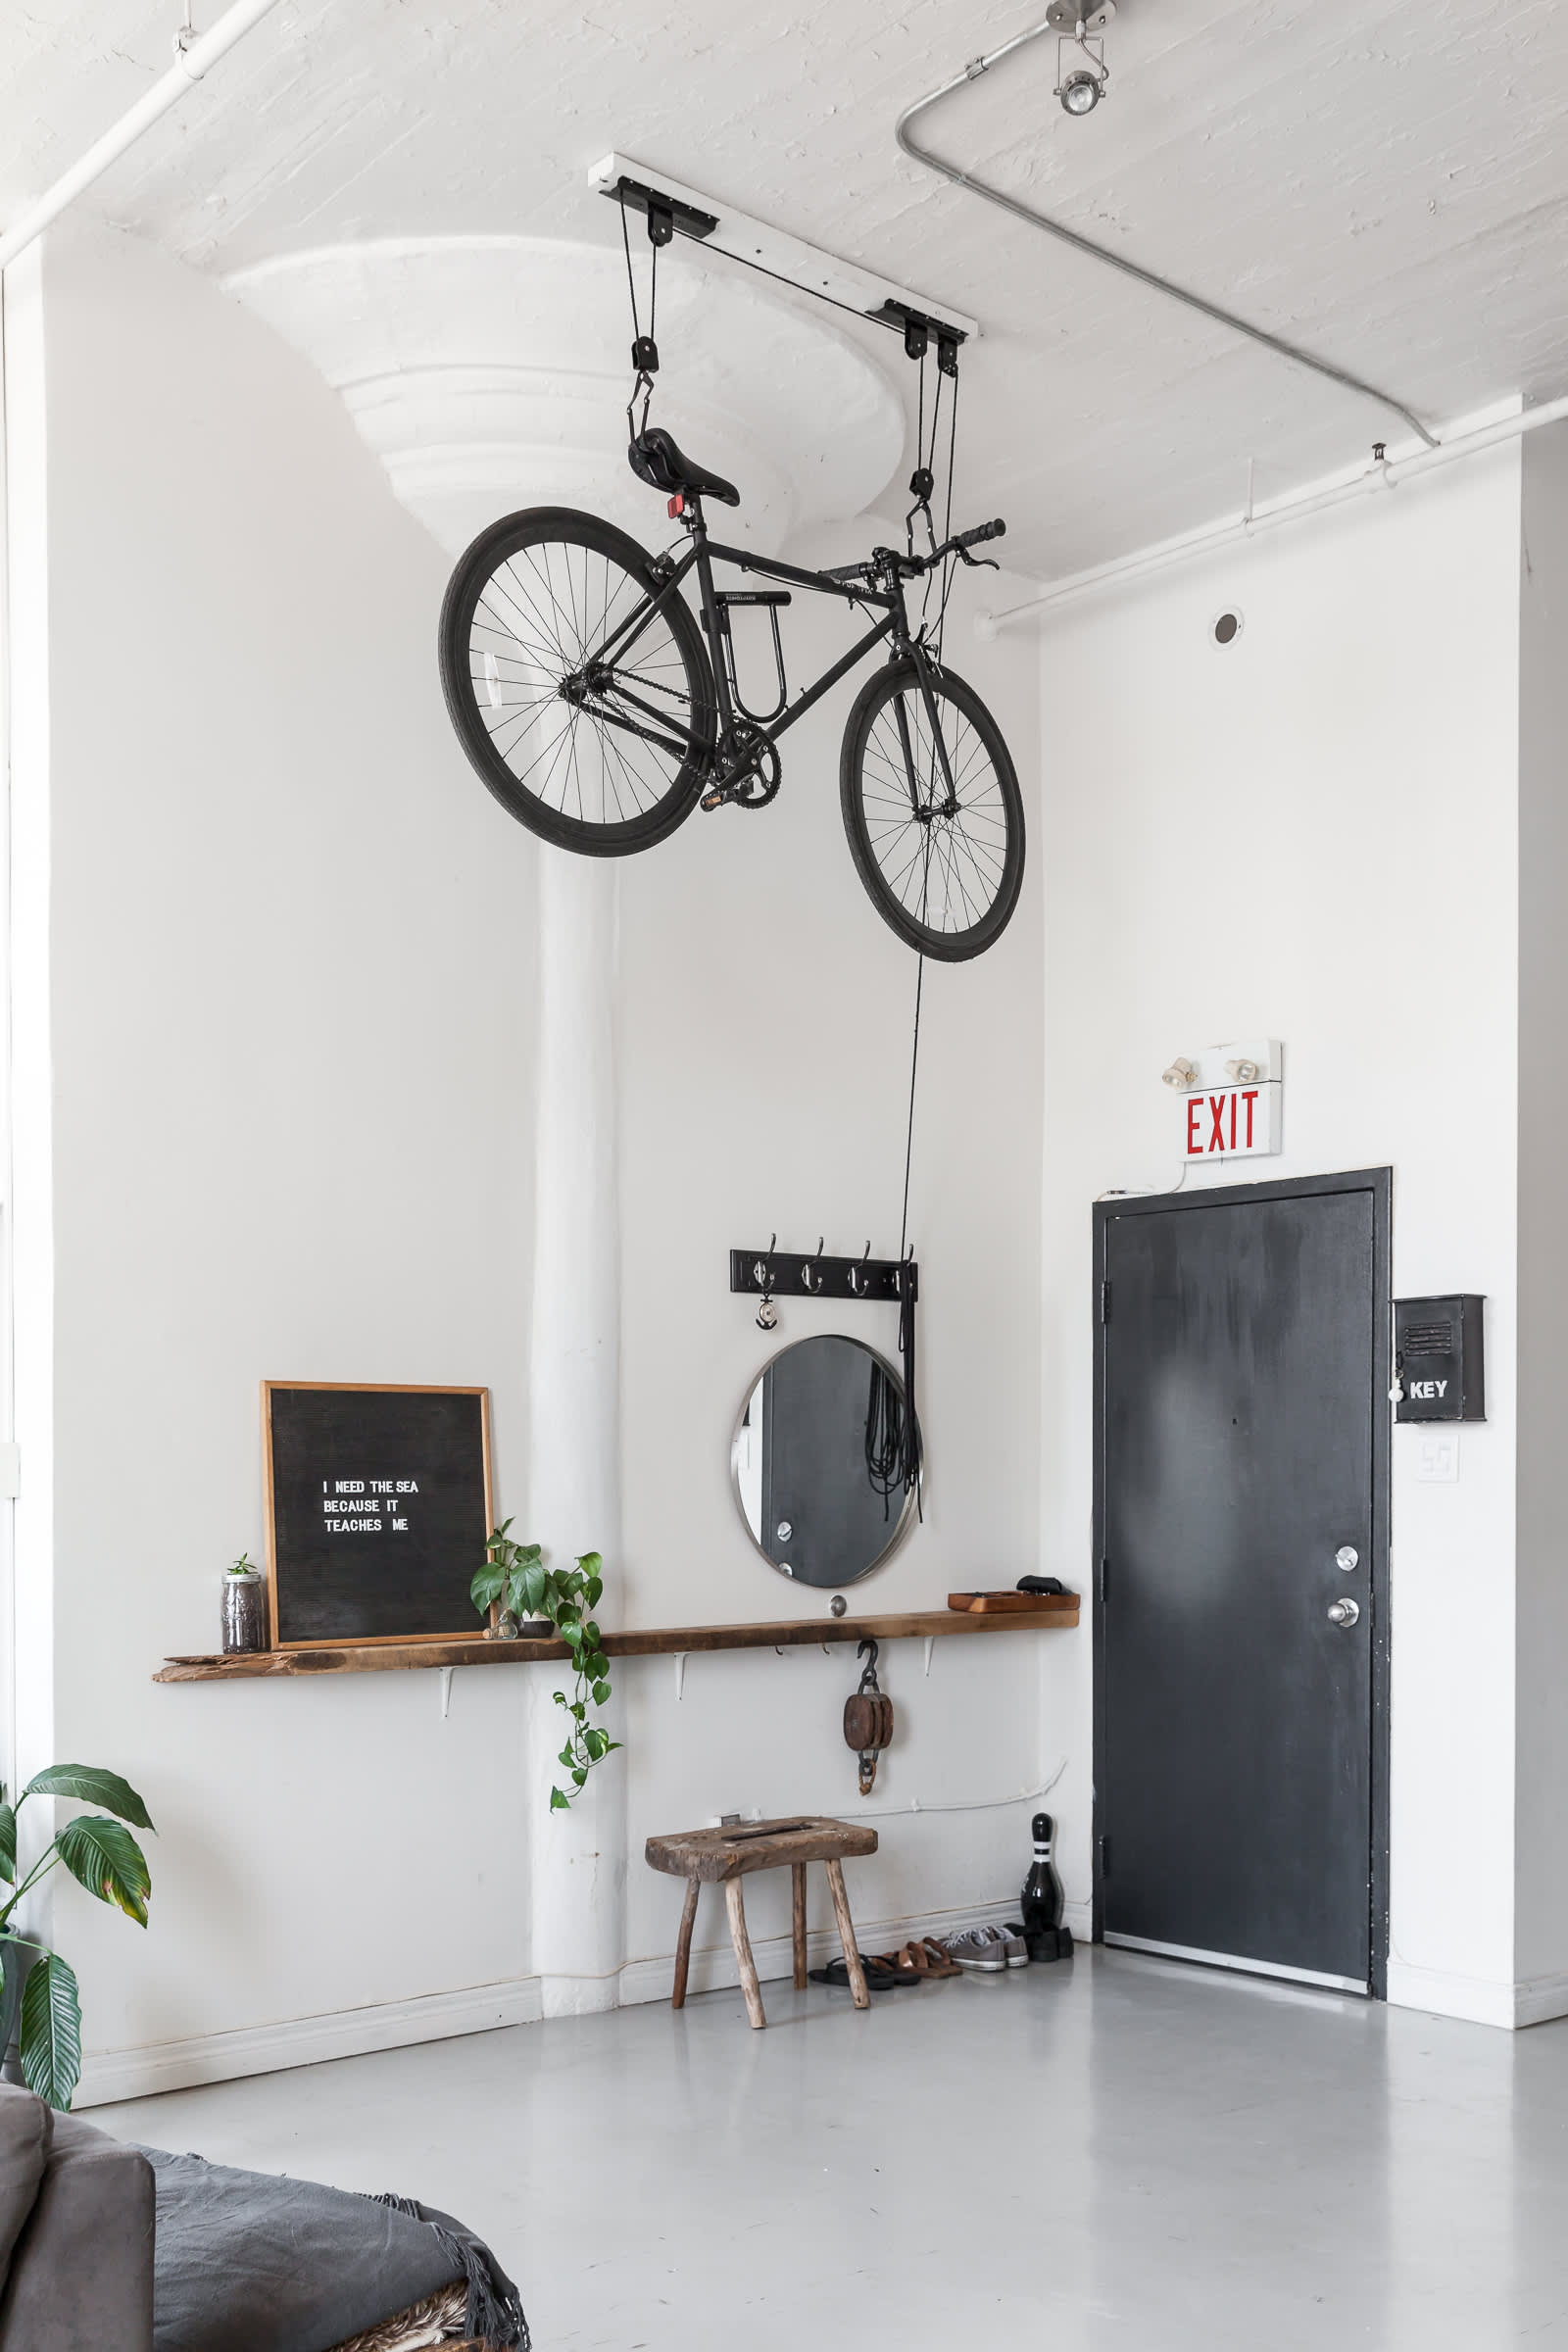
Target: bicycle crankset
[(756, 772)]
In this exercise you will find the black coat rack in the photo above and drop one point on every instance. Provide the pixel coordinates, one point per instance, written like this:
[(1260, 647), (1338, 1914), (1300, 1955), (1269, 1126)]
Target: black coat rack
[(787, 1274)]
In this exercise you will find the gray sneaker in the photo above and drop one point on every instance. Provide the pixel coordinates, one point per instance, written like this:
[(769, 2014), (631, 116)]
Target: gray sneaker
[(987, 1950)]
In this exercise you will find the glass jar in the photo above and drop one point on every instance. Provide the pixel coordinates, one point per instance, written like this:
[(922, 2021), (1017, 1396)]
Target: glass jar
[(244, 1613)]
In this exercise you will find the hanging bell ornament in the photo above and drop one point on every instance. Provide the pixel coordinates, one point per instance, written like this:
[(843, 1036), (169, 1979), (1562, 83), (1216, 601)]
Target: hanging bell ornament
[(868, 1719), (767, 1316)]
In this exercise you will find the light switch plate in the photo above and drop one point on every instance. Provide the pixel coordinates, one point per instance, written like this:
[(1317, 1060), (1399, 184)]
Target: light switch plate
[(1437, 1459)]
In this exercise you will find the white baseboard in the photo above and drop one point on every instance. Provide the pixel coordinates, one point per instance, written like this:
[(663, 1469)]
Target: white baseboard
[(1479, 2000), (138, 2074), (713, 1969), (109, 2076), (1538, 1998)]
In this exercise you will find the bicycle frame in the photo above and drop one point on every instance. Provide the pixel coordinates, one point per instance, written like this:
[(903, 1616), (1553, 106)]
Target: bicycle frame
[(732, 758)]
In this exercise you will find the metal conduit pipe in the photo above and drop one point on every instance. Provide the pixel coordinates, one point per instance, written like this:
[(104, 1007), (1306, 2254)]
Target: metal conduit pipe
[(190, 64), (1115, 260), (1385, 475)]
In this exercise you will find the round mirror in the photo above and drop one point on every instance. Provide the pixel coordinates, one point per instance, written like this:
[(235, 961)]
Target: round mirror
[(816, 1461)]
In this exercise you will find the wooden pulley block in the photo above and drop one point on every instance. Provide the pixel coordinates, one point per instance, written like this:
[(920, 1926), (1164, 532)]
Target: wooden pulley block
[(869, 1720)]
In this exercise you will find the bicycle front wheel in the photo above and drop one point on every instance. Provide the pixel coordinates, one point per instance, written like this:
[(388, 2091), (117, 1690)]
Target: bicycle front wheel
[(590, 717), (933, 812)]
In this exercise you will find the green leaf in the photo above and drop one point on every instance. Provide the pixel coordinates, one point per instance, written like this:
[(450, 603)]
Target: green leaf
[(51, 2032), (593, 1589), (92, 1786), (534, 1579), (590, 1562), (580, 1773), (8, 1843), (486, 1586), (597, 1743), (601, 1694), (106, 1860), (558, 1802), (598, 1665), (566, 1757), (579, 1710)]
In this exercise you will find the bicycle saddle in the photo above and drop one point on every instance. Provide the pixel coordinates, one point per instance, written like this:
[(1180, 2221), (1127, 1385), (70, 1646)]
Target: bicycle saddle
[(656, 458)]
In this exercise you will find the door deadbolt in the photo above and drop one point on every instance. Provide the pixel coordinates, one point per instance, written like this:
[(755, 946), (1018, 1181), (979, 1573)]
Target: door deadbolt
[(1344, 1612), (1346, 1557)]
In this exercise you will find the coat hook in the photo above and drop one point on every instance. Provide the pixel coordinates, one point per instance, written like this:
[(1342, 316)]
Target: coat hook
[(859, 1278), (767, 1312), (806, 1284)]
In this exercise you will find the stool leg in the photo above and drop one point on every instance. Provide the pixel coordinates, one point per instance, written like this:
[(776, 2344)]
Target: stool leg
[(743, 1951), (798, 1921), (683, 1945), (851, 1955)]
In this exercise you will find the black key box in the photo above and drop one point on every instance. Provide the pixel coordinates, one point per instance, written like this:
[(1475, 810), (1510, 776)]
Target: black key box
[(1438, 1359)]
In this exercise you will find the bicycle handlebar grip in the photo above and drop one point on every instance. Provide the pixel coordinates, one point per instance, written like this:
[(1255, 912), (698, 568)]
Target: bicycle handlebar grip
[(846, 571), (982, 531)]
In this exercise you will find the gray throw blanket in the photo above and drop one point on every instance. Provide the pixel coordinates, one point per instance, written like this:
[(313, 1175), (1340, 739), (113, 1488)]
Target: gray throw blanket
[(249, 2262)]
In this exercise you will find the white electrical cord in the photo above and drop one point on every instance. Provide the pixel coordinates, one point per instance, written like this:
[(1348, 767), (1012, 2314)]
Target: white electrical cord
[(974, 1804)]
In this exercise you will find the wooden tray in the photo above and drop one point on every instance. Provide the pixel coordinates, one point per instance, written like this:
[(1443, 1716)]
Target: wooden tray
[(981, 1604)]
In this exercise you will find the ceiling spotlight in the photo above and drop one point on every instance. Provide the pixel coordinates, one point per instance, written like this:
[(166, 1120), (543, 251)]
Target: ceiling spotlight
[(1080, 94), (1080, 26)]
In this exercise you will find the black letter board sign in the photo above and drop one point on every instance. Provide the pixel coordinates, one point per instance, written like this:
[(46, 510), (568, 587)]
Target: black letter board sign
[(377, 1511)]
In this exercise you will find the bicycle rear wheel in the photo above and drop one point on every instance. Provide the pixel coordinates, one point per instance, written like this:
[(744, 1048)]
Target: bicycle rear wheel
[(595, 736), (933, 812)]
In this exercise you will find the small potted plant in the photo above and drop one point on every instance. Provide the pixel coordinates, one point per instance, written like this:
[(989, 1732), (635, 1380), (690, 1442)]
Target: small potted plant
[(244, 1608), (39, 2010), (548, 1600)]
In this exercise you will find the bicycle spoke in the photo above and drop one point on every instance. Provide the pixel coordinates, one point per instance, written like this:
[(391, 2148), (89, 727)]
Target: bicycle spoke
[(933, 812)]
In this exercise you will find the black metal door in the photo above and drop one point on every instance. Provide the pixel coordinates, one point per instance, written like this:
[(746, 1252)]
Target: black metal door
[(1239, 1667)]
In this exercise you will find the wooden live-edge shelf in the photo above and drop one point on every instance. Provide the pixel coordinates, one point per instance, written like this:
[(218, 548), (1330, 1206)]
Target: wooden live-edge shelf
[(654, 1642)]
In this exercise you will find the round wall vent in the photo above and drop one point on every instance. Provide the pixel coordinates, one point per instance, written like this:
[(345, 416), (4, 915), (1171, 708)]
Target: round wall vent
[(1226, 626)]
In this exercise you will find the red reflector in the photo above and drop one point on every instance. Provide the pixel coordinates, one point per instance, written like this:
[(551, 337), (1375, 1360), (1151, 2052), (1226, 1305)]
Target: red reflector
[(677, 506)]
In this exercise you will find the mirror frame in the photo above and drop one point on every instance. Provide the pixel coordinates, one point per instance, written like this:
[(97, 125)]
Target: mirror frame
[(908, 1518)]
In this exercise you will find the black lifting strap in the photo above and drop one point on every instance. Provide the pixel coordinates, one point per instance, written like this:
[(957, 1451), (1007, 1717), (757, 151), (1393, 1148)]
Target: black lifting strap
[(644, 348)]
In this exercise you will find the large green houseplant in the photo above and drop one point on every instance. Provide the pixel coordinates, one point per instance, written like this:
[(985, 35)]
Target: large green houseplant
[(516, 1576), (103, 1858)]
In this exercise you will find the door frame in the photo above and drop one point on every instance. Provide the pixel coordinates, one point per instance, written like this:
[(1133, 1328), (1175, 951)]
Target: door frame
[(1379, 1182)]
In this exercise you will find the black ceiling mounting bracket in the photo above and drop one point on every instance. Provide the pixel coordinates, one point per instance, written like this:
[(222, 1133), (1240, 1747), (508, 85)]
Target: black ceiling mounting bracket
[(920, 329), (665, 213)]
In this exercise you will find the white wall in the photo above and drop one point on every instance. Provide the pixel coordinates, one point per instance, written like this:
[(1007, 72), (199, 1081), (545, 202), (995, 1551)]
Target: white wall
[(291, 978), (1268, 841), (280, 901), (1541, 1861)]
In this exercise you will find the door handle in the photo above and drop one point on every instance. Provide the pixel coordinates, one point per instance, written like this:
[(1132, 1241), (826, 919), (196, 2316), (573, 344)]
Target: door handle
[(1344, 1612)]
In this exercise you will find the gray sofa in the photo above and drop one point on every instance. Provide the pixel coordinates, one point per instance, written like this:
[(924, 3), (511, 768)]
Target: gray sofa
[(76, 2234), (111, 2248)]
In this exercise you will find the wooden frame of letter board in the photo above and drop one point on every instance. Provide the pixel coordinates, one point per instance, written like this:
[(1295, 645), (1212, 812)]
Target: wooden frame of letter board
[(406, 1388)]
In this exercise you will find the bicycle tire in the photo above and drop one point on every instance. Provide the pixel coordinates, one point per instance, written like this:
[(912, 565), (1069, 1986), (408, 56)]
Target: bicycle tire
[(965, 870), (522, 604)]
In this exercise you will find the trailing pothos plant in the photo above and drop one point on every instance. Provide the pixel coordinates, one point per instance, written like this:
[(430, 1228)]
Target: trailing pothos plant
[(515, 1575), (103, 1858)]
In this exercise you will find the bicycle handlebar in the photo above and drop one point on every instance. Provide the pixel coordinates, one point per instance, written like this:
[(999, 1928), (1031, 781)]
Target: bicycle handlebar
[(982, 531), (910, 566)]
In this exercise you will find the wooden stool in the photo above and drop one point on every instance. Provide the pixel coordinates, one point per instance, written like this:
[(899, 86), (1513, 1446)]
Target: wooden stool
[(724, 1856)]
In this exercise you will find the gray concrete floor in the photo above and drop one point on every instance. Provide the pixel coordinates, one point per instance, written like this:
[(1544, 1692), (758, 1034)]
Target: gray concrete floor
[(1117, 2156)]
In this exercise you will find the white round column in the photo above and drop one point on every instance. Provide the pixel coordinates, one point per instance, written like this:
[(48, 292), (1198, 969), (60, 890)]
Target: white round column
[(489, 373)]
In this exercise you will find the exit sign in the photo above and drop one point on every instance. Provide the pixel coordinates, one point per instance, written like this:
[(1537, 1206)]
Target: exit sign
[(1230, 1108), (1238, 1122)]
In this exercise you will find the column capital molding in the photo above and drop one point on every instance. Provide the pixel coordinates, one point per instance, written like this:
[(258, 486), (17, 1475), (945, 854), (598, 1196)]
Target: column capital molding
[(491, 372)]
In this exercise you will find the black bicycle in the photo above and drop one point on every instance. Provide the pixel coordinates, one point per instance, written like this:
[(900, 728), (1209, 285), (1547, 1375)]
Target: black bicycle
[(582, 692)]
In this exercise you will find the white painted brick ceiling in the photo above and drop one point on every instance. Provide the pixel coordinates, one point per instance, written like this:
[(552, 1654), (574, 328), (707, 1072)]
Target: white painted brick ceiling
[(1385, 183)]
